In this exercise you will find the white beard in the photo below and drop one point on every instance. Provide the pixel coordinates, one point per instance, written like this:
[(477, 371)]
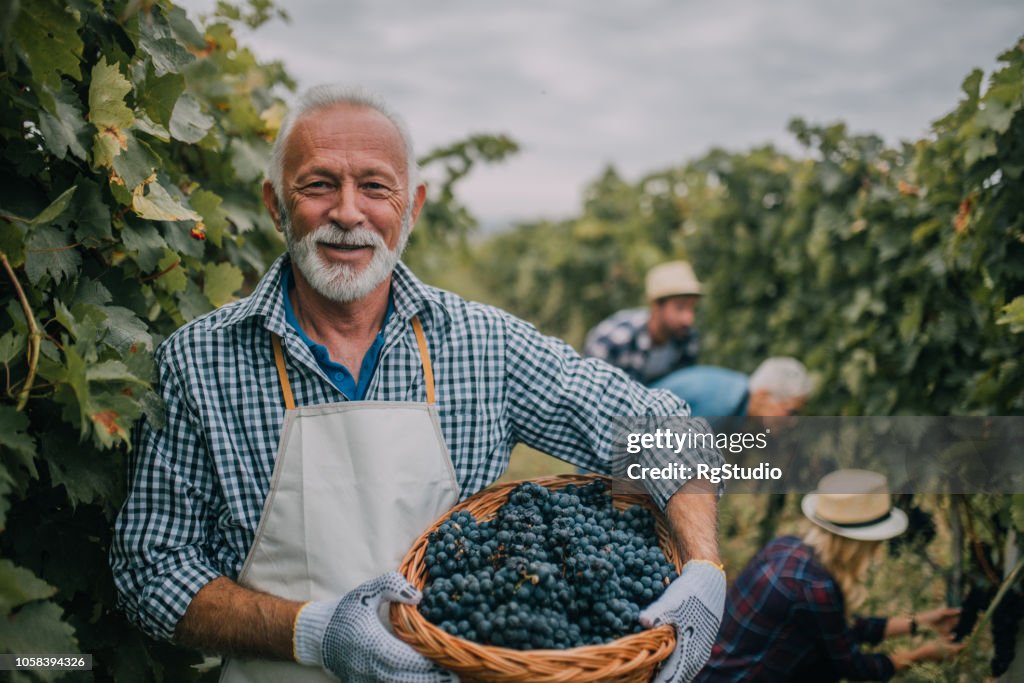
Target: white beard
[(341, 282)]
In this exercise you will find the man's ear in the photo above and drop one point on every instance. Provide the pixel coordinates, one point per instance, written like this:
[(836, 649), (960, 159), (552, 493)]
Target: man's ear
[(418, 201), (270, 201)]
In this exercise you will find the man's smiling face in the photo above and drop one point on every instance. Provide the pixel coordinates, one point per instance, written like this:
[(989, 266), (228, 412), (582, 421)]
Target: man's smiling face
[(346, 208)]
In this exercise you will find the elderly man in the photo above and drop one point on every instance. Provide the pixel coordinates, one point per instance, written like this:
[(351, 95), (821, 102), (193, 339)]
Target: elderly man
[(649, 343), (316, 427), (778, 387)]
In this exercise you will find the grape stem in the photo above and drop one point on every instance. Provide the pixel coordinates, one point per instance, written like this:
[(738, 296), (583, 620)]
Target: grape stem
[(34, 335), (979, 552), (1006, 585)]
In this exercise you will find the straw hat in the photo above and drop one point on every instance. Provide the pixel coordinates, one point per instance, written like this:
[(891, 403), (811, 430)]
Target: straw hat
[(855, 504), (674, 278)]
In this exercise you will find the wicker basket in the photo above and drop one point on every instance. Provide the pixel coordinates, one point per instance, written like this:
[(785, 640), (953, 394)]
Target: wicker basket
[(630, 658)]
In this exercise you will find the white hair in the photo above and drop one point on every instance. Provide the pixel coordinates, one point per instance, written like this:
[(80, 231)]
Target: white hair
[(783, 377), (330, 95)]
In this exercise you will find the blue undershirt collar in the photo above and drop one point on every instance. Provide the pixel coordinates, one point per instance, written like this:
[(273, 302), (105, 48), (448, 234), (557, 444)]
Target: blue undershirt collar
[(339, 375)]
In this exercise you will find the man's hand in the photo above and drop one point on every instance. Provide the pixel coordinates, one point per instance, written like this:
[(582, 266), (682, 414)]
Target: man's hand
[(347, 637), (693, 603)]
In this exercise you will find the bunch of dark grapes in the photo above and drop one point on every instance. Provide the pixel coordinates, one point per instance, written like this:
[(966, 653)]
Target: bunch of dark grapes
[(1005, 621), (552, 569), (974, 604), (920, 531)]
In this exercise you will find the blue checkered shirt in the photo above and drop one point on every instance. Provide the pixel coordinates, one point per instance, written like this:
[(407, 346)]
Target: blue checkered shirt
[(623, 340), (197, 485)]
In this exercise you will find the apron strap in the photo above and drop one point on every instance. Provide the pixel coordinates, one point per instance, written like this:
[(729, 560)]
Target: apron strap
[(428, 370), (282, 374), (421, 341)]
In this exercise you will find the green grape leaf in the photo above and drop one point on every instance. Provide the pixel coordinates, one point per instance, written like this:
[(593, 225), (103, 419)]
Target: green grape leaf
[(13, 426), (192, 302), (46, 36), (220, 282), (1013, 315), (112, 371), (12, 242), (157, 41), (72, 375), (173, 278), (208, 205), (66, 129), (123, 330), (144, 124), (48, 252), (158, 205), (996, 115), (92, 218), (144, 243), (248, 160), (188, 122), (108, 112), (1017, 511), (136, 164), (183, 28), (91, 292), (63, 316), (12, 345), (84, 479), (111, 413), (19, 586), (38, 628), (979, 147), (158, 96), (56, 208)]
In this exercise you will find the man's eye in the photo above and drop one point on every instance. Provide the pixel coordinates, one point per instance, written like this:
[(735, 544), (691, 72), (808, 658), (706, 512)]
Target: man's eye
[(375, 187)]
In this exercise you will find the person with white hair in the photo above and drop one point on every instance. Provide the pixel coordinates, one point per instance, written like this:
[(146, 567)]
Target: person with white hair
[(778, 387), (315, 428)]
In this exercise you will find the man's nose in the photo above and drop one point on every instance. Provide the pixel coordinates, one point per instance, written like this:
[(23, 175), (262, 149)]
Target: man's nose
[(346, 211)]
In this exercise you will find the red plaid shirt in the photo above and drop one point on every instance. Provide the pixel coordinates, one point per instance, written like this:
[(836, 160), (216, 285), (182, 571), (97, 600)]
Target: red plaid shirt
[(784, 621)]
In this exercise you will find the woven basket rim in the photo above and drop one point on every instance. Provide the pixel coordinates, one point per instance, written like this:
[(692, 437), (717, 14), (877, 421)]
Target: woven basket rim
[(631, 657)]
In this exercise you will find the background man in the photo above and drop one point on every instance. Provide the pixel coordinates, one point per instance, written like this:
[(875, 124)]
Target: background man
[(778, 387), (315, 428), (649, 343)]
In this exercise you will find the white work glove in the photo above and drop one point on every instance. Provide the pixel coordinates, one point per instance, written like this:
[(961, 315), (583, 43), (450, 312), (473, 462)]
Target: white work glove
[(347, 638), (693, 603)]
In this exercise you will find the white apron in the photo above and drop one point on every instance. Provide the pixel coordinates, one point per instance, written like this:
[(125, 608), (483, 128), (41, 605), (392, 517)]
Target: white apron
[(354, 484)]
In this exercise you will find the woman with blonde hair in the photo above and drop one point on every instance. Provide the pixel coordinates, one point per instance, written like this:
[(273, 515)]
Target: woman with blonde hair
[(789, 616)]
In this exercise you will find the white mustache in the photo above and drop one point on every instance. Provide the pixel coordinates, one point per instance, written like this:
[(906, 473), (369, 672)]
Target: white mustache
[(330, 233)]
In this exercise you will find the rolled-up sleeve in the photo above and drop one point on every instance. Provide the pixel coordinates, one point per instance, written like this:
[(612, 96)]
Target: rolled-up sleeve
[(573, 407), (159, 555), (870, 630)]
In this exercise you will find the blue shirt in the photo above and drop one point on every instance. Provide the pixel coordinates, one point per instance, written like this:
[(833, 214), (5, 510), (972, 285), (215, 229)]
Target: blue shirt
[(710, 391), (338, 374), (198, 480)]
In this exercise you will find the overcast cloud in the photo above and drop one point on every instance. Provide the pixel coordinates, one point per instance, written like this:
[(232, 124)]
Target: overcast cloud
[(642, 84)]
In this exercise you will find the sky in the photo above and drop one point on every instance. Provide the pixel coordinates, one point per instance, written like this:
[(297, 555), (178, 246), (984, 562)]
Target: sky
[(642, 85)]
